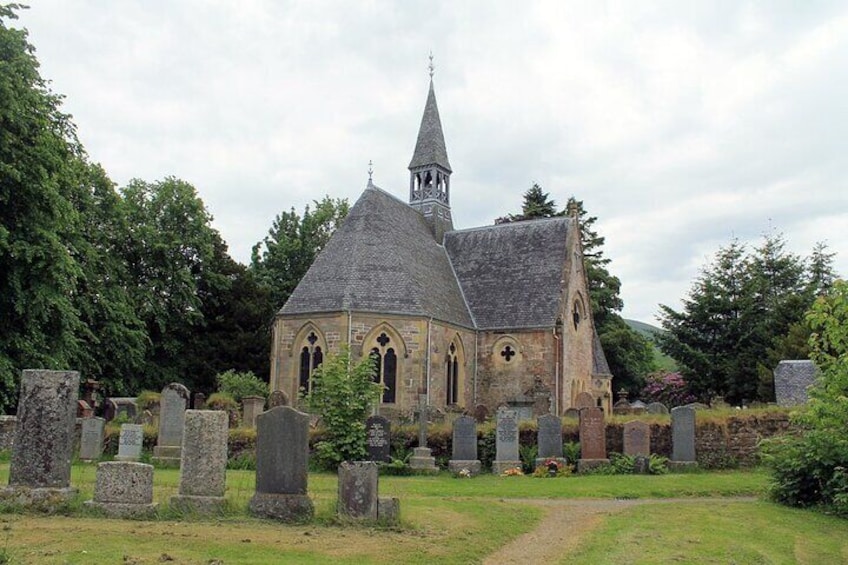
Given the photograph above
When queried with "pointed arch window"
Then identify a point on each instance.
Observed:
(385, 362)
(311, 357)
(452, 372)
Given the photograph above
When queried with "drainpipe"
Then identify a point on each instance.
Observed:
(476, 362)
(429, 322)
(349, 336)
(556, 370)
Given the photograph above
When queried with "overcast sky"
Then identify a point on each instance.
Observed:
(681, 125)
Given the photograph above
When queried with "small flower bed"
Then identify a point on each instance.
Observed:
(514, 472)
(552, 468)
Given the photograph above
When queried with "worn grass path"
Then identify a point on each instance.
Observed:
(568, 522)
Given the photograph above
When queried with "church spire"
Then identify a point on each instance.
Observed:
(430, 170)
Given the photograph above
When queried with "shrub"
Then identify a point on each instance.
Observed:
(239, 385)
(225, 402)
(669, 388)
(342, 394)
(146, 399)
(809, 469)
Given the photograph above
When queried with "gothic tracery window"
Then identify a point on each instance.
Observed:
(311, 357)
(385, 361)
(452, 372)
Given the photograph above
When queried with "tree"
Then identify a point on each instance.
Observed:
(282, 258)
(742, 311)
(811, 468)
(342, 394)
(38, 272)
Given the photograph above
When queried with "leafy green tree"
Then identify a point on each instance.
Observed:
(811, 468)
(238, 385)
(38, 271)
(282, 258)
(343, 394)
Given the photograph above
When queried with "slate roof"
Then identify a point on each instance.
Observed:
(383, 258)
(511, 274)
(599, 360)
(430, 147)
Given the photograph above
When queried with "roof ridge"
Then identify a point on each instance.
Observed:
(521, 223)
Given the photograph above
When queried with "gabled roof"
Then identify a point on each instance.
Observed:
(599, 360)
(382, 258)
(511, 274)
(430, 148)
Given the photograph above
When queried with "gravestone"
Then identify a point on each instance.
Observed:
(621, 408)
(506, 442)
(656, 408)
(252, 406)
(124, 489)
(358, 494)
(464, 450)
(593, 441)
(637, 438)
(130, 442)
(422, 459)
(40, 469)
(481, 413)
(84, 410)
(173, 403)
(203, 472)
(8, 425)
(584, 400)
(121, 406)
(198, 401)
(682, 436)
(278, 398)
(282, 454)
(549, 439)
(378, 439)
(91, 439)
(572, 413)
(791, 380)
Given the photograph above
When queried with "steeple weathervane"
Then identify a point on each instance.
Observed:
(370, 172)
(431, 66)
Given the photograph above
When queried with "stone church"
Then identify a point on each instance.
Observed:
(474, 318)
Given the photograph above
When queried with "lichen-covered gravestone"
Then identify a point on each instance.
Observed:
(173, 404)
(656, 408)
(203, 473)
(464, 451)
(506, 442)
(585, 400)
(637, 438)
(252, 406)
(549, 439)
(124, 489)
(91, 439)
(682, 436)
(40, 470)
(378, 439)
(358, 494)
(130, 442)
(282, 452)
(593, 440)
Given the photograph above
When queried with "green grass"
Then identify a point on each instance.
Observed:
(716, 532)
(444, 520)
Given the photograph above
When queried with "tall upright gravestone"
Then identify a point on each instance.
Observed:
(506, 442)
(173, 404)
(593, 440)
(378, 439)
(203, 473)
(464, 451)
(282, 453)
(40, 470)
(682, 437)
(549, 439)
(91, 440)
(637, 438)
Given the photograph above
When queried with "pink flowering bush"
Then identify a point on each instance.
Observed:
(669, 388)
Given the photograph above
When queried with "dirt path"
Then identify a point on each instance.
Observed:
(566, 524)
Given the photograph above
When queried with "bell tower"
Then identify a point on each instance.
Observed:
(430, 171)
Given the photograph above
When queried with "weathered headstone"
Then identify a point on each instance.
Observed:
(124, 489)
(506, 442)
(584, 400)
(91, 439)
(358, 494)
(464, 451)
(252, 406)
(593, 441)
(422, 459)
(203, 472)
(84, 410)
(637, 438)
(378, 438)
(656, 408)
(40, 470)
(572, 413)
(198, 401)
(621, 408)
(282, 453)
(791, 380)
(682, 436)
(121, 407)
(278, 398)
(130, 442)
(173, 404)
(549, 439)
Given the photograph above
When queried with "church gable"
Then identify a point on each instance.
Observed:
(512, 274)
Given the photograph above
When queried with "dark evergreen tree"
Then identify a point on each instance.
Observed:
(537, 204)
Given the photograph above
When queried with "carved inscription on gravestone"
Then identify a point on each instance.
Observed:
(507, 436)
(464, 439)
(130, 442)
(378, 440)
(592, 434)
(549, 436)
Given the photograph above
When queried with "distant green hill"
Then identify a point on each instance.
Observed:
(664, 362)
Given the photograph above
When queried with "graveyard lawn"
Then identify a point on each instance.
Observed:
(450, 520)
